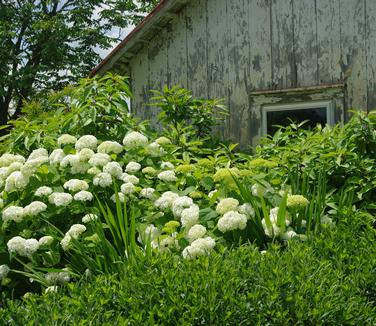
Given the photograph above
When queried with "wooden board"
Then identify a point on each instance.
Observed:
(328, 41)
(283, 59)
(305, 42)
(140, 86)
(196, 15)
(371, 53)
(218, 66)
(239, 65)
(353, 59)
(177, 51)
(157, 57)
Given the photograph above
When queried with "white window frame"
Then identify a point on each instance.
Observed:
(298, 106)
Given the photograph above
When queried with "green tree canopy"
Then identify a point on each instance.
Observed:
(45, 44)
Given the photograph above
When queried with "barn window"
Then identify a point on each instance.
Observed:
(324, 104)
(278, 115)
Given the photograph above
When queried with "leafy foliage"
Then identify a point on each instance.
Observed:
(179, 107)
(97, 105)
(47, 44)
(327, 280)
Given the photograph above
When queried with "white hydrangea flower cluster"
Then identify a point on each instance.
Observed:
(227, 204)
(23, 247)
(85, 154)
(34, 208)
(167, 176)
(190, 216)
(181, 203)
(114, 169)
(133, 167)
(66, 139)
(274, 230)
(247, 210)
(37, 153)
(121, 197)
(4, 270)
(167, 166)
(103, 180)
(56, 156)
(87, 141)
(234, 216)
(89, 218)
(125, 177)
(108, 147)
(231, 221)
(83, 196)
(99, 159)
(46, 241)
(297, 201)
(43, 191)
(7, 159)
(17, 180)
(13, 213)
(166, 200)
(195, 232)
(134, 140)
(163, 141)
(147, 193)
(60, 199)
(74, 185)
(199, 247)
(74, 232)
(127, 188)
(289, 234)
(73, 161)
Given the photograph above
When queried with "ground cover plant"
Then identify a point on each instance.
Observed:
(96, 192)
(330, 279)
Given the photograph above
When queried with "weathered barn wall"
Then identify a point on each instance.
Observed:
(228, 49)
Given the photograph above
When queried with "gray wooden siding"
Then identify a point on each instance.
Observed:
(227, 49)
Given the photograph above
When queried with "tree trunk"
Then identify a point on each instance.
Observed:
(4, 107)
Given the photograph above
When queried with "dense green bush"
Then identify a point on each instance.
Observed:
(95, 106)
(327, 280)
(346, 155)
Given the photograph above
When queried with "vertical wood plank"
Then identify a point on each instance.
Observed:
(157, 57)
(177, 51)
(283, 60)
(260, 54)
(197, 48)
(353, 49)
(371, 53)
(329, 41)
(260, 44)
(305, 42)
(140, 85)
(238, 59)
(217, 40)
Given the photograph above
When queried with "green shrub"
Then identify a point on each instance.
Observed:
(95, 106)
(345, 154)
(325, 281)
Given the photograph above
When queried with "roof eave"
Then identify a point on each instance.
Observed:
(160, 16)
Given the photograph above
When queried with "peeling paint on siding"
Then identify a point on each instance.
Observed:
(227, 49)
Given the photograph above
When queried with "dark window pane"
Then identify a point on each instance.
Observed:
(284, 118)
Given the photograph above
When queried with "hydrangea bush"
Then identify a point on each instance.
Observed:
(51, 202)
